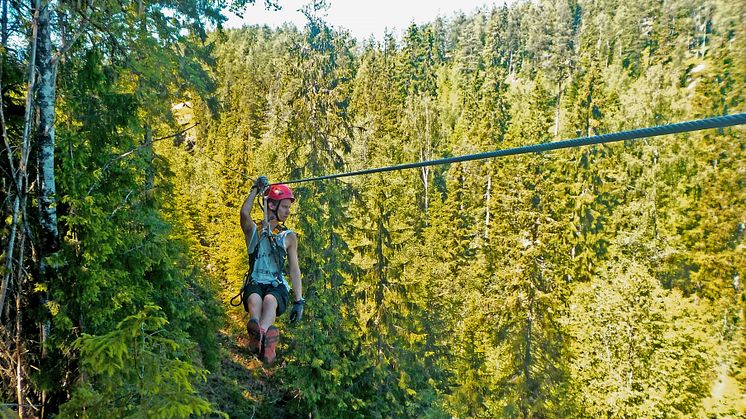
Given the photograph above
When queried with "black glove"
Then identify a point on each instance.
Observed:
(261, 183)
(297, 311)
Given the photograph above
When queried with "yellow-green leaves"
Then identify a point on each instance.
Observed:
(140, 369)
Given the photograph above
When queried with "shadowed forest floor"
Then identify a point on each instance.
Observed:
(244, 387)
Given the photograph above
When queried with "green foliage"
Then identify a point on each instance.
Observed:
(603, 281)
(637, 350)
(137, 370)
(115, 87)
(465, 290)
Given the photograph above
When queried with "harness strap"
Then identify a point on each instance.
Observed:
(242, 297)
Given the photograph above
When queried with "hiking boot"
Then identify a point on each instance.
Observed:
(271, 338)
(255, 336)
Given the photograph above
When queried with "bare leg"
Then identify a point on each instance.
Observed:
(252, 327)
(269, 311)
(255, 306)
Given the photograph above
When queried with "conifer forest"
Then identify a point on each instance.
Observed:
(598, 281)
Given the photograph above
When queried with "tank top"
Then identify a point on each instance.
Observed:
(266, 270)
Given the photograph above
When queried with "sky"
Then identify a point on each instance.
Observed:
(362, 18)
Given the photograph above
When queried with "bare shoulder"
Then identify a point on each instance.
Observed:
(291, 239)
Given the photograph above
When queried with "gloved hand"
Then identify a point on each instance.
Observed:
(261, 184)
(297, 311)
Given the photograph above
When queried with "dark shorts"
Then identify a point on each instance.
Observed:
(280, 293)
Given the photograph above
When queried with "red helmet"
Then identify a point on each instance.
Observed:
(279, 192)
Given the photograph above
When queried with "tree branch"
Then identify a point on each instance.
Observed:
(243, 175)
(22, 168)
(85, 20)
(102, 29)
(140, 147)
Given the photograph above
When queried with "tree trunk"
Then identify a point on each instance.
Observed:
(425, 171)
(4, 47)
(45, 99)
(150, 174)
(557, 111)
(19, 338)
(20, 280)
(426, 152)
(4, 28)
(380, 273)
(510, 64)
(19, 355)
(487, 197)
(9, 254)
(4, 133)
(45, 136)
(527, 359)
(589, 108)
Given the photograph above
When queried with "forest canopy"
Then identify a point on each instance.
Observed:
(584, 282)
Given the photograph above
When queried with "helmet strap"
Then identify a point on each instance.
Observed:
(274, 211)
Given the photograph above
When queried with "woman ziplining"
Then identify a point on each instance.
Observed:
(265, 291)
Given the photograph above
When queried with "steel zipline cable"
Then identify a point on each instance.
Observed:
(676, 128)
